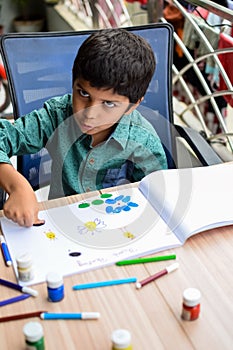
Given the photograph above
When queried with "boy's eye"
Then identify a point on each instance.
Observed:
(83, 93)
(109, 104)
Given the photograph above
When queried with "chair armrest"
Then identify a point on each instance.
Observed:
(202, 149)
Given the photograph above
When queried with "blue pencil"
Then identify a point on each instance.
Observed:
(22, 289)
(70, 316)
(104, 283)
(5, 251)
(14, 299)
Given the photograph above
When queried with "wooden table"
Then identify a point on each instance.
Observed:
(151, 314)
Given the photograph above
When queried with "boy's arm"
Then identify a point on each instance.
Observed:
(21, 205)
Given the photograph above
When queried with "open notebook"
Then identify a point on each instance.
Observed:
(168, 207)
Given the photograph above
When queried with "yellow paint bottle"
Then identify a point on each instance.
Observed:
(25, 267)
(121, 340)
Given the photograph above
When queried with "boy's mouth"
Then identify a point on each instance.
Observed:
(85, 127)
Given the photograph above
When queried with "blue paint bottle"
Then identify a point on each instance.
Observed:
(55, 286)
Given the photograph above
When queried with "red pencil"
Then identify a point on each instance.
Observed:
(159, 274)
(21, 316)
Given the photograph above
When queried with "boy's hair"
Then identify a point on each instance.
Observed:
(116, 59)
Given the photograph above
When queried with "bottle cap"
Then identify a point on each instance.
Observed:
(191, 296)
(121, 338)
(54, 279)
(24, 260)
(33, 331)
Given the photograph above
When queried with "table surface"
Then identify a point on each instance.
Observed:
(152, 314)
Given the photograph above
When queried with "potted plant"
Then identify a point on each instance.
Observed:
(27, 20)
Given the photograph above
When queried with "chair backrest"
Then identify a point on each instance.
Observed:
(39, 66)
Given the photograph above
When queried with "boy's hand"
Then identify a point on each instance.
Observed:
(22, 207)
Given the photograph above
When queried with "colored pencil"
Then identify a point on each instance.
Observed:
(70, 316)
(104, 283)
(14, 299)
(159, 274)
(21, 316)
(15, 286)
(146, 260)
(44, 315)
(5, 251)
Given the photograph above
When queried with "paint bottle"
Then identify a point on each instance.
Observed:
(121, 340)
(191, 304)
(25, 267)
(55, 286)
(34, 336)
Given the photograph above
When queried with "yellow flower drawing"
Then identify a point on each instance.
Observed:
(92, 227)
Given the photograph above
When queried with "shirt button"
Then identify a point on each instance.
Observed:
(91, 161)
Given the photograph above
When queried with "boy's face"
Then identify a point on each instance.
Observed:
(97, 110)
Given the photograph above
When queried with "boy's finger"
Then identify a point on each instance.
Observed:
(38, 222)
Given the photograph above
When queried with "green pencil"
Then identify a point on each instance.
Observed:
(145, 260)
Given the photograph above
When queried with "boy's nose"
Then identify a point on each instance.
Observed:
(92, 110)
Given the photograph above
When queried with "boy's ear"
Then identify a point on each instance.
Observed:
(135, 105)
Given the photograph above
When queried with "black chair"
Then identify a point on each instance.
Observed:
(38, 67)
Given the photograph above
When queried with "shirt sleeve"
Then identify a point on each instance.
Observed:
(30, 133)
(24, 136)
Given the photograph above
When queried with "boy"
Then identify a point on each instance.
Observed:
(95, 136)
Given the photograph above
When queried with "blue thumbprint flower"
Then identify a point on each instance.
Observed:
(118, 204)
